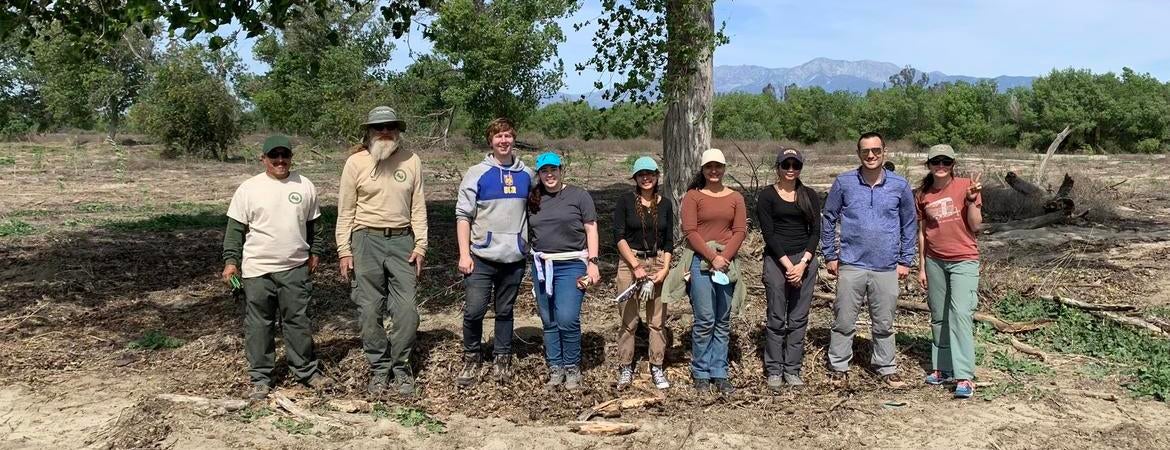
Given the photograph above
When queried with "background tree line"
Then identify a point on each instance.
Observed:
(1107, 112)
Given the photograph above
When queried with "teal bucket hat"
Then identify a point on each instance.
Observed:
(547, 159)
(643, 163)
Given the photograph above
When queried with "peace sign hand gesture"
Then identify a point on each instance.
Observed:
(975, 188)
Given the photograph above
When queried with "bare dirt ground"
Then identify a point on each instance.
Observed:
(100, 246)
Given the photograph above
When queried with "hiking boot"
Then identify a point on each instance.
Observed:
(502, 369)
(259, 392)
(405, 385)
(378, 383)
(625, 376)
(556, 377)
(573, 378)
(839, 380)
(794, 380)
(470, 372)
(937, 377)
(318, 382)
(723, 386)
(965, 389)
(893, 381)
(775, 382)
(658, 376)
(702, 385)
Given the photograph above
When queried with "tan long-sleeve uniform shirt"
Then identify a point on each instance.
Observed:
(386, 194)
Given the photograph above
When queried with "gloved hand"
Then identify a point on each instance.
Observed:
(647, 292)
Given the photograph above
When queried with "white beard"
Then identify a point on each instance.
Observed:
(381, 149)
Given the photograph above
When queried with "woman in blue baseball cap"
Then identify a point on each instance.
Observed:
(643, 226)
(564, 255)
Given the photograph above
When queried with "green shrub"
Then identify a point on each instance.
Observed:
(155, 340)
(1148, 145)
(13, 227)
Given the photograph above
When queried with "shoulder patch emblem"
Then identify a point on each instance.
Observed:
(295, 198)
(399, 175)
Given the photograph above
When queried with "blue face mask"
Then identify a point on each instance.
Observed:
(720, 278)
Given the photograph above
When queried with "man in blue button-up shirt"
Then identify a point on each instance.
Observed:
(879, 236)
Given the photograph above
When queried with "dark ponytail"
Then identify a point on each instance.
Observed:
(534, 198)
(806, 200)
(698, 181)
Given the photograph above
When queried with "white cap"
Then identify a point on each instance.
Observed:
(713, 155)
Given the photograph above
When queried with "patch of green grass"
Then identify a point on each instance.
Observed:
(95, 207)
(999, 390)
(409, 417)
(13, 227)
(1017, 308)
(155, 340)
(293, 426)
(32, 213)
(1161, 312)
(7, 161)
(170, 222)
(1144, 357)
(1015, 367)
(250, 414)
(1096, 371)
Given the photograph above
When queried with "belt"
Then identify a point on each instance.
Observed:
(646, 253)
(388, 232)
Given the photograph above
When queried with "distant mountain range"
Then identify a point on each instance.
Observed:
(829, 74)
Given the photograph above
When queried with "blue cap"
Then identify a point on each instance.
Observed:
(547, 159)
(644, 163)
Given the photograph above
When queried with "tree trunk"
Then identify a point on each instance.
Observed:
(686, 129)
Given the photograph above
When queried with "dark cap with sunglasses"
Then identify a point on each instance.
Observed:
(277, 145)
(383, 117)
(789, 153)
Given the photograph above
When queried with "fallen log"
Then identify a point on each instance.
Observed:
(602, 428)
(1028, 349)
(1026, 224)
(1086, 306)
(350, 406)
(613, 408)
(1131, 321)
(1000, 325)
(1052, 150)
(283, 402)
(1022, 186)
(226, 404)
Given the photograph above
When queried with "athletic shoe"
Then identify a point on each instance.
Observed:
(658, 375)
(965, 389)
(893, 381)
(378, 383)
(470, 372)
(702, 385)
(937, 377)
(573, 378)
(793, 379)
(502, 369)
(723, 386)
(625, 376)
(556, 377)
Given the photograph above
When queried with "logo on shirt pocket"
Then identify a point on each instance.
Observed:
(295, 198)
(399, 175)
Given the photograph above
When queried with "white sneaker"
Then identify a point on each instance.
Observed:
(659, 377)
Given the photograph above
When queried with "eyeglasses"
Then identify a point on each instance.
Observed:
(384, 126)
(790, 164)
(945, 162)
(877, 151)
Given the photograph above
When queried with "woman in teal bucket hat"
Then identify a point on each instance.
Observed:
(643, 226)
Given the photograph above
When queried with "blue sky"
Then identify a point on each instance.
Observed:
(959, 37)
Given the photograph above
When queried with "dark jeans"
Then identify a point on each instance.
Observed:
(490, 283)
(286, 293)
(561, 313)
(787, 316)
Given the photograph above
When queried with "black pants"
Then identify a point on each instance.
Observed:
(787, 316)
(490, 283)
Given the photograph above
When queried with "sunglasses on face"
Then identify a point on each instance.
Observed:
(280, 155)
(383, 126)
(945, 162)
(877, 151)
(789, 164)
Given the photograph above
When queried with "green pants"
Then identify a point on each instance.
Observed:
(384, 284)
(289, 293)
(953, 295)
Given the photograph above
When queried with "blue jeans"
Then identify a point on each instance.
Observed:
(561, 313)
(710, 334)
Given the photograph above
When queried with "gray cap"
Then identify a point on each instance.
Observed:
(384, 114)
(940, 150)
(789, 153)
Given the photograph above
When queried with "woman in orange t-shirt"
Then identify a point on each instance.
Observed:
(949, 216)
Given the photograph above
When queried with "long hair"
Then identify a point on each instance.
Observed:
(648, 215)
(698, 181)
(807, 200)
(534, 197)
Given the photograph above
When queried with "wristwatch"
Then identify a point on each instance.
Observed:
(806, 260)
(593, 259)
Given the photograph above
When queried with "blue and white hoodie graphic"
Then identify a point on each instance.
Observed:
(494, 199)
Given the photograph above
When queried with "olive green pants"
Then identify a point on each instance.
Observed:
(384, 283)
(288, 293)
(952, 289)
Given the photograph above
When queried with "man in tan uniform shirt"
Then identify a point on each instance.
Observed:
(381, 242)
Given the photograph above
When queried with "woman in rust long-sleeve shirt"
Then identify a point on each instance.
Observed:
(712, 212)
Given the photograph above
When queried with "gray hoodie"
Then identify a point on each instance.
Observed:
(494, 199)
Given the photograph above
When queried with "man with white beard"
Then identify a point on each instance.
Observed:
(381, 240)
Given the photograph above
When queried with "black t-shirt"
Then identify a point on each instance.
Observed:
(635, 223)
(559, 225)
(785, 228)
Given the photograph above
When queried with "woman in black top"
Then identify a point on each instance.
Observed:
(789, 217)
(643, 225)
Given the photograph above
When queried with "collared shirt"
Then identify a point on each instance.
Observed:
(879, 227)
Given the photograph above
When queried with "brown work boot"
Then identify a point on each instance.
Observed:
(839, 380)
(893, 381)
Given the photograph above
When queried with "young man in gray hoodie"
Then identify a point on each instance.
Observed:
(491, 223)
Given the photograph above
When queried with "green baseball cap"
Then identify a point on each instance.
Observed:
(643, 163)
(940, 150)
(384, 114)
(276, 141)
